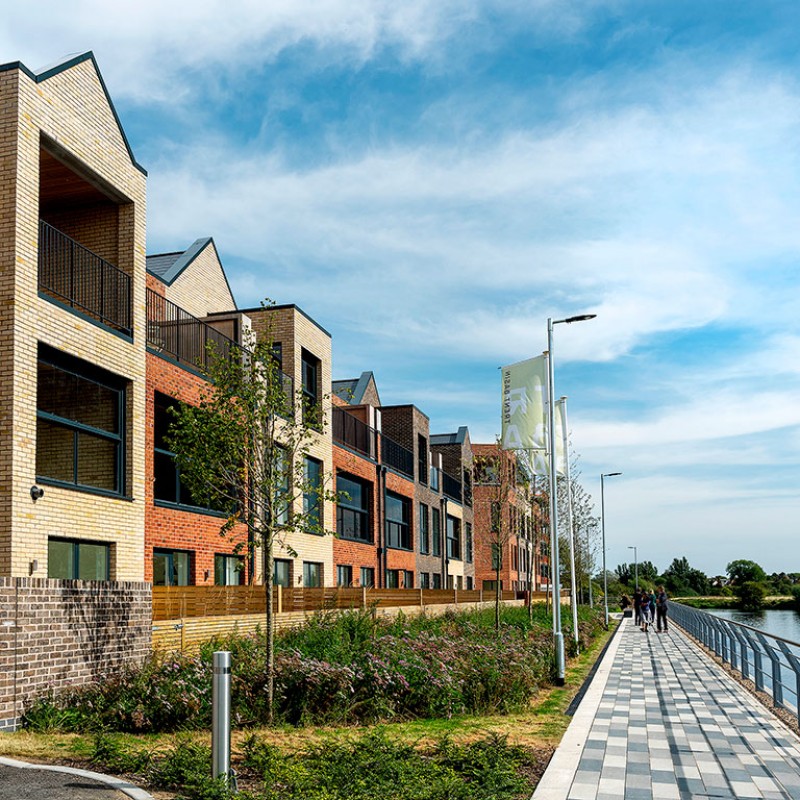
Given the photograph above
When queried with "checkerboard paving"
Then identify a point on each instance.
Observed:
(672, 725)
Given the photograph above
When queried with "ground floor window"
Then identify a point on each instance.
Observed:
(368, 577)
(424, 580)
(71, 559)
(392, 578)
(437, 581)
(312, 574)
(171, 567)
(344, 575)
(470, 584)
(282, 572)
(408, 579)
(228, 570)
(491, 586)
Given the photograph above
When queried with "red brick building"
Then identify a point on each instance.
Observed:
(509, 528)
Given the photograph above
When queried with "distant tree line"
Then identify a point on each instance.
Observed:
(745, 580)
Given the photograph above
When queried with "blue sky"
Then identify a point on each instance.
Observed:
(432, 180)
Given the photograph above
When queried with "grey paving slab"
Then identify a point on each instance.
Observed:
(662, 720)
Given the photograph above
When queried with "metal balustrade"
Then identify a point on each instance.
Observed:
(396, 456)
(353, 433)
(451, 487)
(772, 663)
(75, 276)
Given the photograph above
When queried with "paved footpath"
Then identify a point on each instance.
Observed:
(662, 721)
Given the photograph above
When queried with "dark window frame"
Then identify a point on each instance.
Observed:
(436, 531)
(453, 541)
(76, 544)
(161, 404)
(226, 557)
(310, 377)
(346, 509)
(424, 529)
(312, 500)
(398, 531)
(170, 570)
(90, 373)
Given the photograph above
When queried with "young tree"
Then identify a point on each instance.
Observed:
(505, 490)
(243, 447)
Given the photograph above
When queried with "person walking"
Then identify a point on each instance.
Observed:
(644, 611)
(661, 609)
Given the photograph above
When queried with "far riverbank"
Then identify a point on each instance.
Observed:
(776, 602)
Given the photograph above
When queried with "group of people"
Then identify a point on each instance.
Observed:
(647, 607)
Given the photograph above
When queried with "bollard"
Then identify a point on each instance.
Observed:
(221, 716)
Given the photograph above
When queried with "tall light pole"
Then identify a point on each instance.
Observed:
(635, 562)
(603, 523)
(558, 636)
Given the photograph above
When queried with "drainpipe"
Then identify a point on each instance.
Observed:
(445, 557)
(382, 554)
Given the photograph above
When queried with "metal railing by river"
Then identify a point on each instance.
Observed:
(771, 662)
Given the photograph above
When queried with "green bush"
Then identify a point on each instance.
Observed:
(751, 595)
(337, 668)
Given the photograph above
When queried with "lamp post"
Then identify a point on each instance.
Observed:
(558, 636)
(635, 562)
(603, 524)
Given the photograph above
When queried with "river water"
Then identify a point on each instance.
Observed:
(785, 624)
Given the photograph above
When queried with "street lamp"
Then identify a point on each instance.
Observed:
(603, 524)
(558, 637)
(635, 563)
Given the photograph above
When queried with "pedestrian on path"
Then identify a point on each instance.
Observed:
(644, 611)
(637, 606)
(661, 609)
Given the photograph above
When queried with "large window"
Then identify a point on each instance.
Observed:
(408, 579)
(424, 580)
(468, 554)
(436, 531)
(75, 560)
(282, 573)
(392, 578)
(312, 574)
(453, 538)
(424, 530)
(368, 577)
(312, 505)
(422, 458)
(228, 570)
(437, 580)
(283, 470)
(80, 424)
(310, 374)
(171, 568)
(352, 509)
(168, 486)
(398, 529)
(344, 575)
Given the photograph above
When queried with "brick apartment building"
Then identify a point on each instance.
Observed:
(501, 502)
(421, 536)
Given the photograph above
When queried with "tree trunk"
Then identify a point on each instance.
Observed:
(270, 632)
(497, 593)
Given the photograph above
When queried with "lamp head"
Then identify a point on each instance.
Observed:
(580, 318)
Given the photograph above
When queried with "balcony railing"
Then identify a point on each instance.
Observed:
(353, 433)
(75, 276)
(188, 340)
(397, 457)
(451, 487)
(183, 337)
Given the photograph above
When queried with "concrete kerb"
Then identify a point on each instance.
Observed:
(557, 779)
(129, 789)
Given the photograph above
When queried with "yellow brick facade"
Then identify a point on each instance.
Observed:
(69, 116)
(295, 331)
(201, 288)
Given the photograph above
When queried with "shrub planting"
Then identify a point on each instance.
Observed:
(338, 668)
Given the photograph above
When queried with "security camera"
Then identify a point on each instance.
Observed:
(37, 492)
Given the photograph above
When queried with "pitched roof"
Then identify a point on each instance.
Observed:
(451, 438)
(168, 266)
(353, 389)
(64, 64)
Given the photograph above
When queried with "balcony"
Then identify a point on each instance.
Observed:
(396, 456)
(78, 278)
(177, 334)
(451, 487)
(353, 433)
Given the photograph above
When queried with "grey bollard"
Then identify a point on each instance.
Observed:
(221, 716)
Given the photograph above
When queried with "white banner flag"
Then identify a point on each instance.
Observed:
(524, 386)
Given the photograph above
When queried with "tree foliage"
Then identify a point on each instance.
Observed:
(741, 571)
(244, 446)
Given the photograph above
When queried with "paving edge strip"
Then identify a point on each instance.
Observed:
(115, 783)
(557, 779)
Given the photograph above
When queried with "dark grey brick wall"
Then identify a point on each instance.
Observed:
(56, 634)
